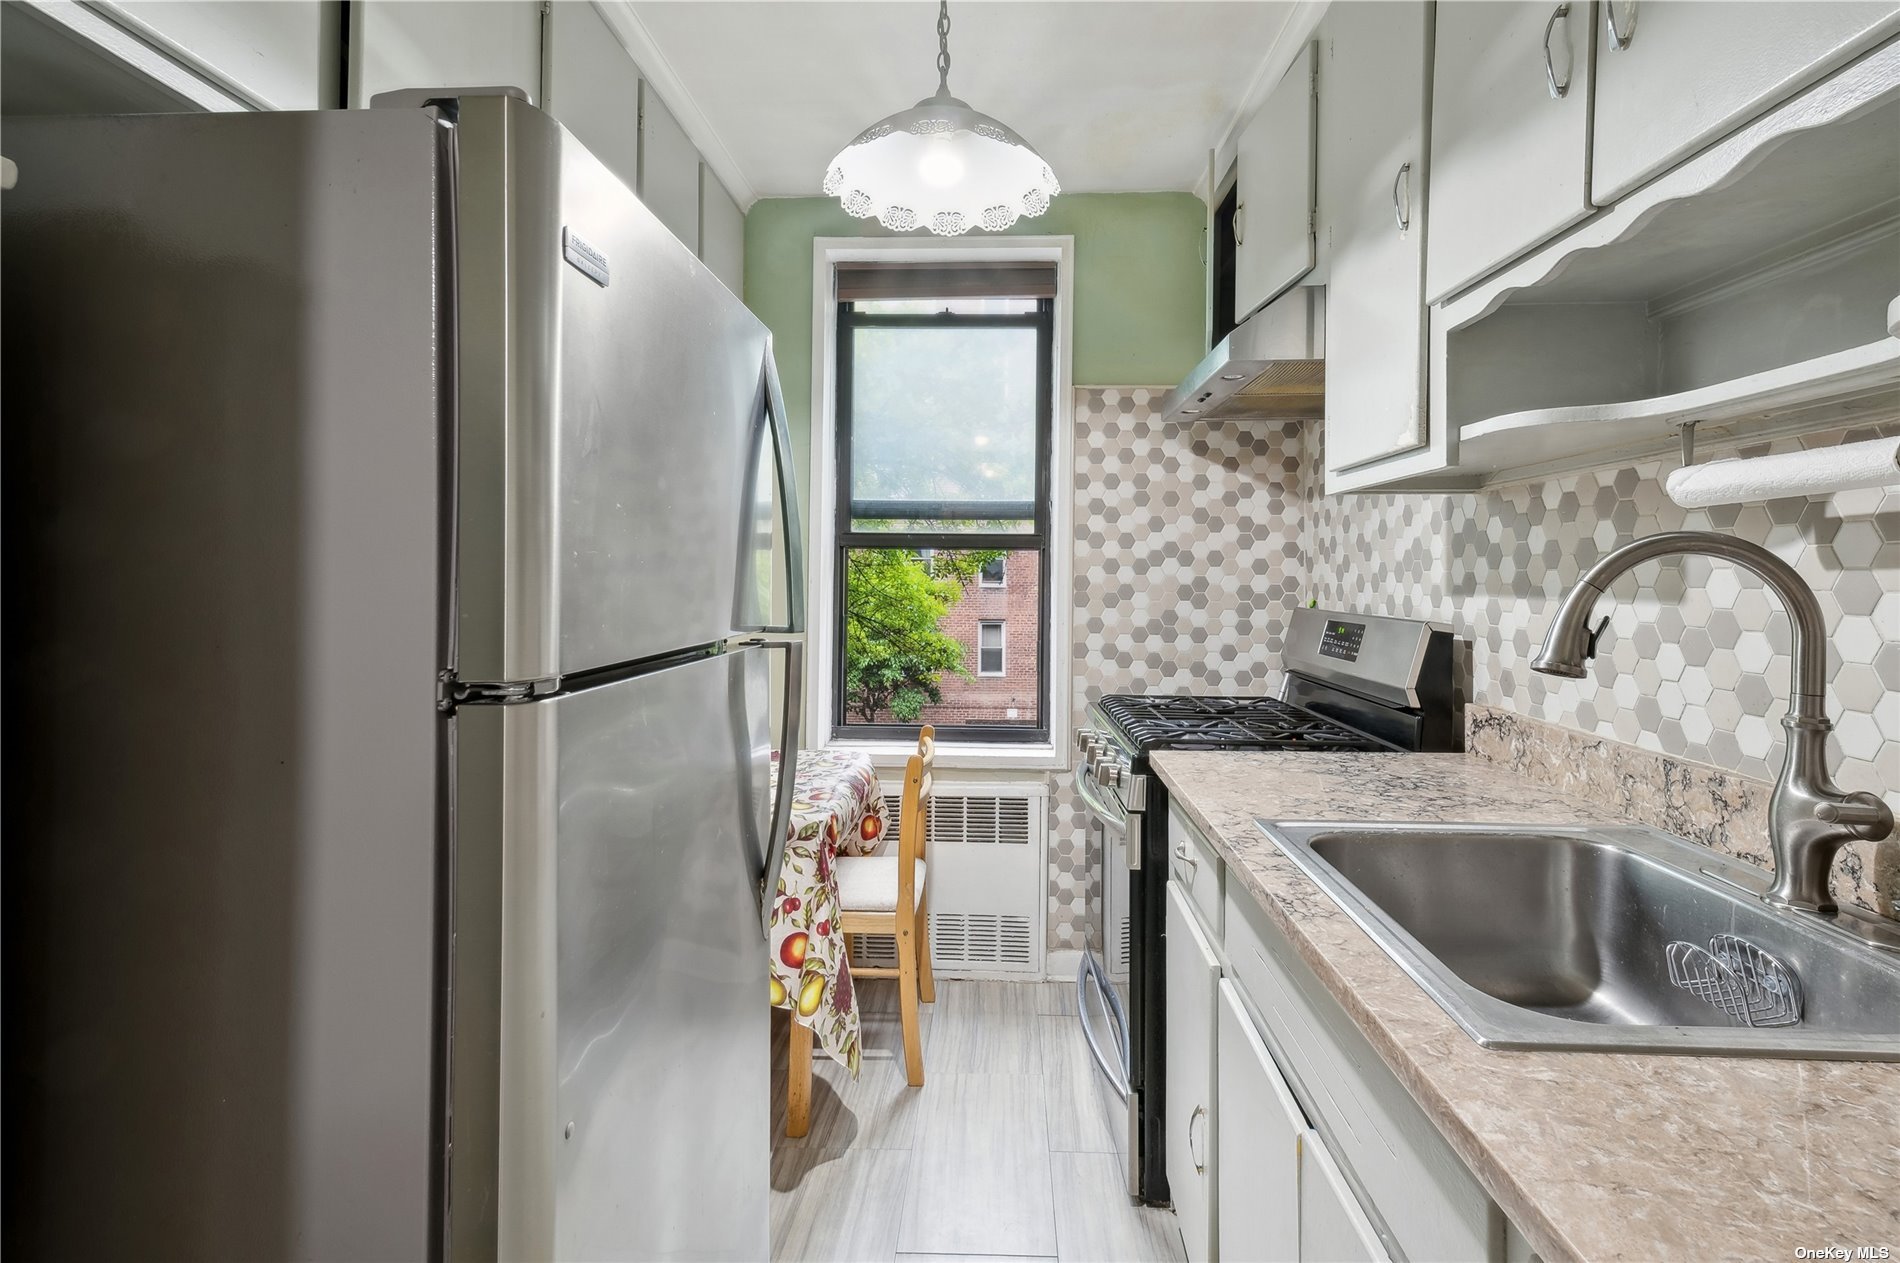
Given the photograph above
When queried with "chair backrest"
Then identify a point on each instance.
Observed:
(913, 823)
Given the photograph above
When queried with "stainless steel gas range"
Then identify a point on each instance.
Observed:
(1351, 682)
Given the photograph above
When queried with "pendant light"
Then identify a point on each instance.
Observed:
(941, 165)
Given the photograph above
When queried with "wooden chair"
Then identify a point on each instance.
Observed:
(890, 894)
(883, 894)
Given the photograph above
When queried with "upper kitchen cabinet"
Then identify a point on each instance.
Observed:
(1374, 93)
(669, 169)
(444, 44)
(1744, 290)
(280, 56)
(1274, 190)
(154, 58)
(593, 88)
(1675, 74)
(721, 231)
(1511, 87)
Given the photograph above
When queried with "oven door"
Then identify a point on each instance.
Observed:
(1113, 834)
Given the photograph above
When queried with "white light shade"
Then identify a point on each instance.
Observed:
(941, 165)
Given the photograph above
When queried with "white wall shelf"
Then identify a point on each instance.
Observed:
(1833, 389)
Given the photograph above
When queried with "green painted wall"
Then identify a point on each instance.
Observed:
(1140, 288)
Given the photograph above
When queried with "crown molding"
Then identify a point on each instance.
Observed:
(658, 71)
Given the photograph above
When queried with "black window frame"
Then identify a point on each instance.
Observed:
(1036, 540)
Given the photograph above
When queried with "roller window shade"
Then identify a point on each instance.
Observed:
(865, 282)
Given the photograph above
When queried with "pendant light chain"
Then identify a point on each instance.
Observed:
(943, 47)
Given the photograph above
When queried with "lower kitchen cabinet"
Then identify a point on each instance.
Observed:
(1333, 1228)
(1323, 1153)
(1257, 1163)
(1193, 983)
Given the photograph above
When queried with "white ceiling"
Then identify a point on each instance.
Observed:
(1117, 95)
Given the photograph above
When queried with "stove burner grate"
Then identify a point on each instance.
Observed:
(1214, 723)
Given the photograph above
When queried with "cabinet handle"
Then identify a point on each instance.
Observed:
(1198, 1152)
(1620, 36)
(1181, 853)
(1403, 207)
(1558, 90)
(1240, 221)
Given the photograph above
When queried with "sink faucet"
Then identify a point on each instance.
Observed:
(1809, 817)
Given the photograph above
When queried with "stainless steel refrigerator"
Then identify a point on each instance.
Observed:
(399, 542)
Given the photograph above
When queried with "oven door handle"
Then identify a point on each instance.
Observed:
(1090, 977)
(1111, 813)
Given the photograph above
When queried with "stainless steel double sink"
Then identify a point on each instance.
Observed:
(1535, 937)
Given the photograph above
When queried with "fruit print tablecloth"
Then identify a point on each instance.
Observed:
(837, 808)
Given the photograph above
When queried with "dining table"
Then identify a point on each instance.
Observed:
(837, 809)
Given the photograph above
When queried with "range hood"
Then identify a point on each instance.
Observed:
(1272, 367)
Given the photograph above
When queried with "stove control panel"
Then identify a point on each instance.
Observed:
(1342, 640)
(1104, 762)
(1369, 654)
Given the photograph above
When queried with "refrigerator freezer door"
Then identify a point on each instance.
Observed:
(633, 1064)
(612, 392)
(221, 459)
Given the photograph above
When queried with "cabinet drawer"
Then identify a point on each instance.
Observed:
(1195, 866)
(1417, 1193)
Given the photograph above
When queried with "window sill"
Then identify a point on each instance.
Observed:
(985, 756)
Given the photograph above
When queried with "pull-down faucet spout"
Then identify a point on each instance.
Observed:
(1809, 817)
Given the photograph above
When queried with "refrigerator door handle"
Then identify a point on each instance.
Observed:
(788, 497)
(787, 774)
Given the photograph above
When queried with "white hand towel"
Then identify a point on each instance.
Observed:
(1875, 463)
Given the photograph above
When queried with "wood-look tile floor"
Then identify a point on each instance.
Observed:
(1010, 1150)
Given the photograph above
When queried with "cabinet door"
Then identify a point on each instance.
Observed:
(1257, 1172)
(1693, 70)
(593, 88)
(1193, 977)
(1372, 181)
(444, 44)
(669, 168)
(1333, 1229)
(1273, 179)
(721, 231)
(1510, 116)
(283, 54)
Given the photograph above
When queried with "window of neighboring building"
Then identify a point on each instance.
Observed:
(944, 413)
(989, 649)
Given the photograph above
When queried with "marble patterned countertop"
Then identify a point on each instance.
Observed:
(1594, 1156)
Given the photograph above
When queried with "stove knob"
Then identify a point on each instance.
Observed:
(1111, 774)
(1082, 736)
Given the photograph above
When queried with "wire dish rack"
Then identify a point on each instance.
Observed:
(1748, 985)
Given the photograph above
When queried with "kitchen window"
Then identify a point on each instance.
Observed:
(944, 403)
(989, 649)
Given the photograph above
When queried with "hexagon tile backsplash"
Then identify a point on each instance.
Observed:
(1192, 541)
(1188, 552)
